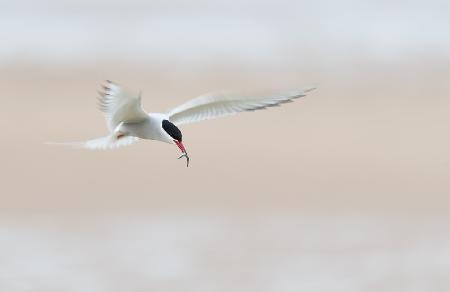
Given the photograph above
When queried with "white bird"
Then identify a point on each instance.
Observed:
(128, 122)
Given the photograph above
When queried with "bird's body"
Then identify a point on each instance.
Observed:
(128, 122)
(150, 128)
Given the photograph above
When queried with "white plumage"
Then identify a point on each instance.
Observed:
(128, 122)
(120, 104)
(211, 106)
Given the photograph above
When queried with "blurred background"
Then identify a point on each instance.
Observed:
(346, 189)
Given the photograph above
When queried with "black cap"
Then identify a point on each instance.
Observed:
(172, 130)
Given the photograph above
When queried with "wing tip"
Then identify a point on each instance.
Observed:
(309, 89)
(77, 145)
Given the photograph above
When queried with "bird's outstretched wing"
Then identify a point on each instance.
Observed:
(103, 143)
(120, 104)
(219, 105)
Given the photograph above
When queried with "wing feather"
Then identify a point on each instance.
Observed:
(219, 105)
(120, 104)
(103, 143)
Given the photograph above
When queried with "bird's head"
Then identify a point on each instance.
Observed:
(176, 137)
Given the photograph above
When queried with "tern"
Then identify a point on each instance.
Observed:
(128, 122)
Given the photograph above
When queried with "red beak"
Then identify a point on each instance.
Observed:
(180, 145)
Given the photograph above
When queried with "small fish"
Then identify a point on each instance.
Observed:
(187, 158)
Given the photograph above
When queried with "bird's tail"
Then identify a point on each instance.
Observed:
(109, 142)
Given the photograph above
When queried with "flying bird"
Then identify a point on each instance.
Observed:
(128, 122)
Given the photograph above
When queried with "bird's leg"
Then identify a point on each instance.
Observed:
(118, 131)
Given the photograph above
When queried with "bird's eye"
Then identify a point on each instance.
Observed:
(172, 130)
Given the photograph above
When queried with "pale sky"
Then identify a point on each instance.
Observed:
(252, 31)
